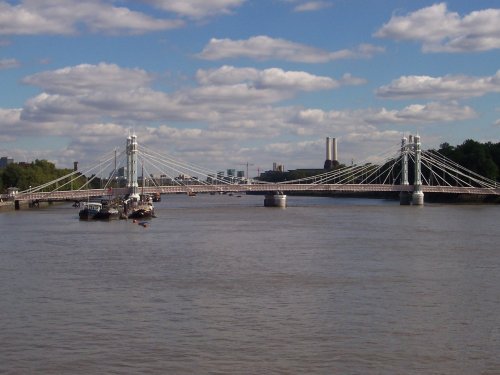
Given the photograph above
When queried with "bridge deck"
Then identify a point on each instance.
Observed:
(243, 188)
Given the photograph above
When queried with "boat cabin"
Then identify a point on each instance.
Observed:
(92, 206)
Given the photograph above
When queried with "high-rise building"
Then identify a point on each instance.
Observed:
(5, 161)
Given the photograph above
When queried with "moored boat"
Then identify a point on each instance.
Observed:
(108, 213)
(142, 209)
(98, 211)
(89, 210)
(141, 212)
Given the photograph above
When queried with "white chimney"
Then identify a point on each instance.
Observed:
(334, 149)
(328, 148)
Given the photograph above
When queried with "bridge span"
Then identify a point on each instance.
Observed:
(408, 170)
(251, 188)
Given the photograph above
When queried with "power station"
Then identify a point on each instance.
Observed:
(331, 153)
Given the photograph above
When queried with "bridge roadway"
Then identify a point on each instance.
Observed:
(70, 195)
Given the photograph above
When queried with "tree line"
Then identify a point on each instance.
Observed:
(482, 158)
(26, 175)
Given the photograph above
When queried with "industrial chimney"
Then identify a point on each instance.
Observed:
(331, 153)
(328, 161)
(334, 150)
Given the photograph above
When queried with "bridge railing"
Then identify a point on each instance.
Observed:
(244, 188)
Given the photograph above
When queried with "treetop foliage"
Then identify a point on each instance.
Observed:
(24, 175)
(482, 158)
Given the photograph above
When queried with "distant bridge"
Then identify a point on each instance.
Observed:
(431, 172)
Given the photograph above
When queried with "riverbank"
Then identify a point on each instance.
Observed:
(10, 205)
(6, 206)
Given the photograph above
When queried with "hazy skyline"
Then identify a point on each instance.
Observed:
(225, 82)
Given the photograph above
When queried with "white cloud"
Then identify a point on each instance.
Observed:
(433, 112)
(226, 75)
(273, 78)
(91, 91)
(63, 17)
(197, 8)
(87, 93)
(9, 64)
(228, 111)
(440, 30)
(266, 48)
(349, 79)
(88, 78)
(447, 87)
(356, 119)
(10, 117)
(310, 6)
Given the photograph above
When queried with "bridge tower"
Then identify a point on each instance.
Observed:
(404, 195)
(132, 185)
(417, 197)
(418, 194)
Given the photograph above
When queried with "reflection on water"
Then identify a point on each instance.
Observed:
(220, 284)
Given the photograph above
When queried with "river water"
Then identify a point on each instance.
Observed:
(222, 285)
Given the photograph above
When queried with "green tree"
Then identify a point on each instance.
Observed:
(11, 176)
(482, 158)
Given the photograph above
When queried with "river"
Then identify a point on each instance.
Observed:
(222, 285)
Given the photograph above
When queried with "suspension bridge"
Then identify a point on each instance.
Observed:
(405, 168)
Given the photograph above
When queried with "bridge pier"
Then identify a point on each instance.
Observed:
(405, 198)
(418, 198)
(275, 199)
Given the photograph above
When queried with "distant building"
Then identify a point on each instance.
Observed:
(278, 167)
(5, 161)
(220, 177)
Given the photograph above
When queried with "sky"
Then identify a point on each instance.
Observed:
(222, 83)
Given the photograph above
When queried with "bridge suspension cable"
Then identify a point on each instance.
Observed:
(454, 171)
(438, 174)
(167, 164)
(364, 172)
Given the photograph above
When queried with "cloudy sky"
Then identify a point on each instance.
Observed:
(224, 82)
